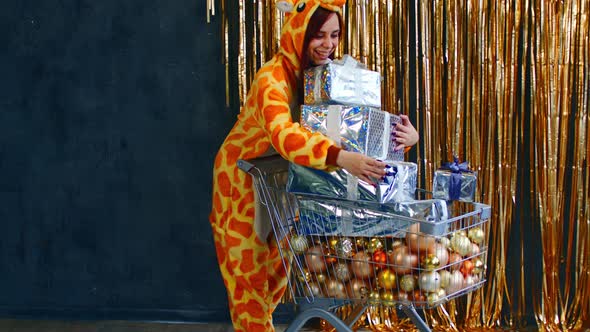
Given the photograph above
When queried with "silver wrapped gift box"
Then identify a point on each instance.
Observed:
(398, 185)
(353, 218)
(342, 82)
(454, 186)
(361, 129)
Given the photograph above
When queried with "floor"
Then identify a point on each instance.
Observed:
(13, 325)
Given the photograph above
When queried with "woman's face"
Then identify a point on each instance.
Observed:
(324, 43)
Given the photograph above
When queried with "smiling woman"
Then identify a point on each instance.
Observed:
(321, 38)
(248, 258)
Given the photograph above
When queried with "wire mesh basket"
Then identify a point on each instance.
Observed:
(364, 253)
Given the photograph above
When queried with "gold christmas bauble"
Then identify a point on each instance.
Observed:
(407, 283)
(332, 243)
(387, 279)
(374, 244)
(304, 276)
(461, 244)
(320, 278)
(342, 272)
(445, 241)
(430, 262)
(476, 234)
(396, 243)
(374, 297)
(478, 266)
(432, 298)
(361, 242)
(387, 298)
(299, 244)
(445, 278)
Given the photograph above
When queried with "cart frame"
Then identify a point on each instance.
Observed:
(270, 173)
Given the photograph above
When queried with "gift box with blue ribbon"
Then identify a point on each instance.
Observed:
(454, 181)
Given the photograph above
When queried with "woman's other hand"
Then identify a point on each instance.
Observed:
(361, 166)
(404, 133)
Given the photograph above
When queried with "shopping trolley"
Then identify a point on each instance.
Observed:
(340, 252)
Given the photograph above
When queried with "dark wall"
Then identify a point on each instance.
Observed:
(110, 115)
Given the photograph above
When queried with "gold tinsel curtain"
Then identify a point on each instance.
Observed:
(503, 84)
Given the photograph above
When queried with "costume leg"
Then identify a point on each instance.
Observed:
(277, 275)
(244, 264)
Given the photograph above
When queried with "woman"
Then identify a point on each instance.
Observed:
(250, 264)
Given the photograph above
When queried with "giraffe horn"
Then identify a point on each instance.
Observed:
(285, 6)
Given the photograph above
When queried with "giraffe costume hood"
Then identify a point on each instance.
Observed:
(251, 266)
(297, 16)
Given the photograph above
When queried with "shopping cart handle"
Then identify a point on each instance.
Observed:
(245, 166)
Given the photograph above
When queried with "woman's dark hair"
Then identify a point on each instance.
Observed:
(316, 22)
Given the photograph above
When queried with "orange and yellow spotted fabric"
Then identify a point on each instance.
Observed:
(251, 268)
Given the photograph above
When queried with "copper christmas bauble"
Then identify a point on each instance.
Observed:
(455, 261)
(402, 260)
(467, 267)
(441, 252)
(416, 241)
(357, 288)
(314, 259)
(361, 265)
(335, 288)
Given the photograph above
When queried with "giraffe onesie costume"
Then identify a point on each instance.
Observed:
(251, 267)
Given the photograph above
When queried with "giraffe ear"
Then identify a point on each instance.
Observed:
(285, 6)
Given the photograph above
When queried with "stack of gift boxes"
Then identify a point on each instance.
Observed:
(343, 101)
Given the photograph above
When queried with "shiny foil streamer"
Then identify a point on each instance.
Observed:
(506, 85)
(360, 129)
(399, 185)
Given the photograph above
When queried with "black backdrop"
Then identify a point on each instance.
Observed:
(110, 115)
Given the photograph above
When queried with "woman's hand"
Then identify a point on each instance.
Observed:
(361, 166)
(404, 133)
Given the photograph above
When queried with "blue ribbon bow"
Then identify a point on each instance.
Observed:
(456, 169)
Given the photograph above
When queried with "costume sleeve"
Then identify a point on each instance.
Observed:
(292, 141)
